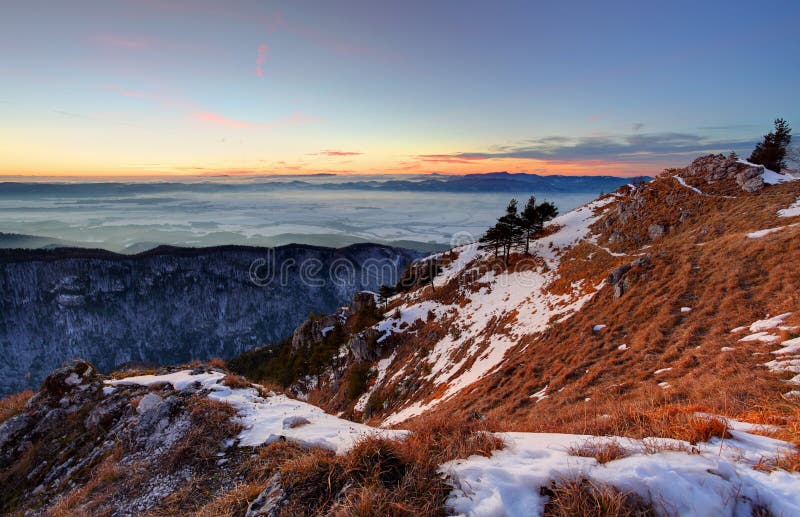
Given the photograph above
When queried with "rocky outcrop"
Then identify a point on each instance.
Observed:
(622, 278)
(313, 331)
(76, 422)
(170, 305)
(717, 167)
(270, 501)
(364, 346)
(362, 301)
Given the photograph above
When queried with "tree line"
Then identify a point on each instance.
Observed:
(515, 229)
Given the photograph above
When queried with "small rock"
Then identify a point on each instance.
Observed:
(148, 402)
(656, 231)
(270, 501)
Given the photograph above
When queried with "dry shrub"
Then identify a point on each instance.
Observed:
(672, 421)
(68, 505)
(702, 429)
(218, 362)
(655, 446)
(211, 423)
(384, 477)
(13, 404)
(264, 461)
(134, 372)
(235, 382)
(230, 503)
(584, 498)
(311, 481)
(603, 450)
(89, 498)
(788, 460)
(441, 438)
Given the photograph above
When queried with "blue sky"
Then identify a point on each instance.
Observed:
(135, 87)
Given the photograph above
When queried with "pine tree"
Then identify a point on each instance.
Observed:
(533, 217)
(510, 230)
(492, 239)
(771, 153)
(385, 292)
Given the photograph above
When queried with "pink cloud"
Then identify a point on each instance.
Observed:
(261, 58)
(219, 120)
(330, 152)
(295, 119)
(447, 158)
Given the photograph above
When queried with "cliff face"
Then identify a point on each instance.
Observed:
(169, 305)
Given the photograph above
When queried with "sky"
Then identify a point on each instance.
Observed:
(194, 87)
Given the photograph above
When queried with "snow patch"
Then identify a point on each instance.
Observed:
(792, 210)
(763, 337)
(264, 419)
(719, 480)
(762, 233)
(541, 394)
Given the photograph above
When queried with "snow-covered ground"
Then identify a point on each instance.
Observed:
(792, 210)
(683, 182)
(521, 292)
(718, 479)
(269, 419)
(761, 233)
(787, 356)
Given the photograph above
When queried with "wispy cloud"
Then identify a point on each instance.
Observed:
(210, 117)
(450, 158)
(219, 120)
(637, 147)
(331, 152)
(261, 58)
(97, 118)
(215, 119)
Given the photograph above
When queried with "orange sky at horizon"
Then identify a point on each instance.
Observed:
(325, 162)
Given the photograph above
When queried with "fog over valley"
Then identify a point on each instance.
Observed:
(423, 214)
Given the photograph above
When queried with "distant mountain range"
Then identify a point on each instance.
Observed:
(489, 182)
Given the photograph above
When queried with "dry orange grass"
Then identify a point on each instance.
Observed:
(728, 281)
(121, 374)
(788, 460)
(89, 498)
(601, 449)
(584, 498)
(13, 404)
(236, 382)
(384, 477)
(211, 424)
(218, 362)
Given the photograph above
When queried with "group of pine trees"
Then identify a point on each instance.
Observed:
(772, 152)
(515, 229)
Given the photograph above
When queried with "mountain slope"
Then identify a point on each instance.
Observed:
(630, 298)
(644, 361)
